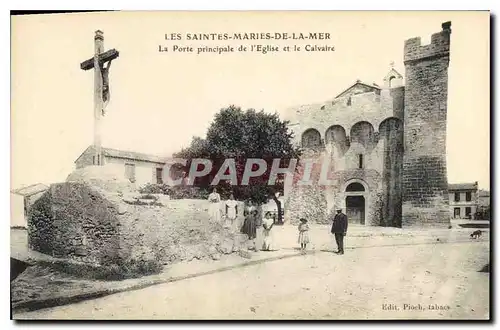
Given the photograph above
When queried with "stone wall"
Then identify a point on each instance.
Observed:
(381, 173)
(399, 132)
(353, 129)
(72, 220)
(317, 202)
(391, 138)
(85, 223)
(104, 177)
(371, 107)
(425, 188)
(87, 158)
(372, 181)
(307, 202)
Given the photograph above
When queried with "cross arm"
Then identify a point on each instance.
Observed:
(103, 57)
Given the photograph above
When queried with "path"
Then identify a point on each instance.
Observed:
(316, 286)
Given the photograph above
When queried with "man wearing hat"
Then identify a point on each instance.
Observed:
(339, 229)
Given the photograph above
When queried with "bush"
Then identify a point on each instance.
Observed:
(40, 225)
(188, 192)
(152, 188)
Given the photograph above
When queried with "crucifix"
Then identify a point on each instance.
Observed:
(101, 87)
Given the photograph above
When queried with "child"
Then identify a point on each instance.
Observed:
(303, 234)
(268, 235)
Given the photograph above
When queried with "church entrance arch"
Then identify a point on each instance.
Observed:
(356, 201)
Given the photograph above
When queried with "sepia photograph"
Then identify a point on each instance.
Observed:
(250, 165)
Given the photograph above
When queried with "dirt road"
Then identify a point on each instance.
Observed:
(437, 281)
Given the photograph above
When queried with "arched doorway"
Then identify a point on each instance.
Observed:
(355, 203)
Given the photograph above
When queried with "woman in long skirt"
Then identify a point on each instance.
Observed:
(214, 207)
(231, 212)
(249, 227)
(247, 213)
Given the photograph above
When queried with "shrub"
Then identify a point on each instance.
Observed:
(188, 192)
(152, 188)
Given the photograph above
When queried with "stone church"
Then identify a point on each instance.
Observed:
(386, 144)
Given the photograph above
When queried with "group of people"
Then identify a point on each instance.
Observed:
(259, 230)
(215, 211)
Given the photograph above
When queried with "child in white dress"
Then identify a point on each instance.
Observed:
(303, 234)
(268, 224)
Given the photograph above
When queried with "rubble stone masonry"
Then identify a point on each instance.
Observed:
(425, 191)
(390, 138)
(82, 222)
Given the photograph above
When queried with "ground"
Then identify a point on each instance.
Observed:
(394, 267)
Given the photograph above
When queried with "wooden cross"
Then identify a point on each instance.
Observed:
(101, 87)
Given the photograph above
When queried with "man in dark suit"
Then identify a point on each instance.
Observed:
(339, 229)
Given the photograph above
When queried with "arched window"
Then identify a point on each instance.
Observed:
(391, 81)
(363, 133)
(311, 138)
(355, 186)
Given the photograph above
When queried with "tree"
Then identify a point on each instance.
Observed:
(241, 135)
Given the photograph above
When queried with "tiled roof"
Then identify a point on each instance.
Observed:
(115, 153)
(462, 186)
(30, 190)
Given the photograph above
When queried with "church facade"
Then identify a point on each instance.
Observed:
(386, 143)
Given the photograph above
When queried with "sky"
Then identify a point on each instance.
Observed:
(160, 100)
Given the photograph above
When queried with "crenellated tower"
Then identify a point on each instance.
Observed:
(425, 184)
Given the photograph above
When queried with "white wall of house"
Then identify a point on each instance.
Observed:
(144, 172)
(17, 217)
(461, 208)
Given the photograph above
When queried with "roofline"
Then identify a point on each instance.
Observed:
(84, 151)
(16, 191)
(356, 83)
(134, 158)
(397, 72)
(470, 186)
(139, 159)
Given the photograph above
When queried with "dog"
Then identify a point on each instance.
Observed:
(476, 234)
